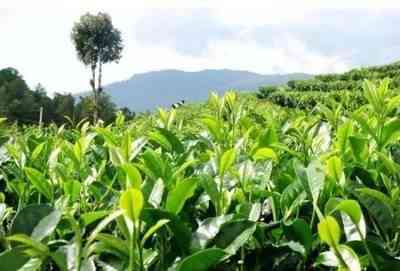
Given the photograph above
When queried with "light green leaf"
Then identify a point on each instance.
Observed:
(116, 156)
(265, 154)
(91, 217)
(312, 179)
(214, 127)
(39, 181)
(352, 217)
(37, 151)
(174, 141)
(359, 146)
(133, 176)
(132, 202)
(153, 163)
(351, 208)
(39, 248)
(226, 161)
(161, 140)
(342, 136)
(114, 243)
(329, 231)
(72, 188)
(350, 258)
(334, 170)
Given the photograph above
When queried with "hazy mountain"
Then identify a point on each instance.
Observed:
(147, 91)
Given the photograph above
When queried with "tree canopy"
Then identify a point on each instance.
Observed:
(97, 42)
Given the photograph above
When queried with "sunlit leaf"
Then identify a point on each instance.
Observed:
(329, 231)
(132, 202)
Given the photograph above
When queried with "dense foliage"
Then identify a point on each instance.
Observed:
(237, 184)
(352, 80)
(20, 104)
(310, 99)
(344, 88)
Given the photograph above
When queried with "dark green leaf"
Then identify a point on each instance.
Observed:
(182, 192)
(202, 260)
(234, 235)
(13, 259)
(37, 221)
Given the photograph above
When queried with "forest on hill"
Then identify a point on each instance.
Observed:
(21, 104)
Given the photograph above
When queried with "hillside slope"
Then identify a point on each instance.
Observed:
(344, 88)
(148, 91)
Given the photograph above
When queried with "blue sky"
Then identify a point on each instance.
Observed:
(291, 36)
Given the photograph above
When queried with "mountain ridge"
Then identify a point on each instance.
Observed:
(149, 90)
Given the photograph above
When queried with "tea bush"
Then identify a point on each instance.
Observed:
(234, 184)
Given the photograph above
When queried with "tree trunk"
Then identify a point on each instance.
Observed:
(99, 87)
(95, 100)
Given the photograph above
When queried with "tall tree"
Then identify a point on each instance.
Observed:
(97, 42)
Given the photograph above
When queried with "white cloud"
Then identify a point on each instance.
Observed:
(290, 56)
(35, 39)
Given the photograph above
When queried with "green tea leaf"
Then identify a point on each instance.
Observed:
(329, 231)
(154, 229)
(265, 154)
(132, 202)
(334, 170)
(37, 221)
(202, 261)
(207, 230)
(39, 181)
(133, 175)
(91, 217)
(183, 191)
(378, 205)
(234, 234)
(300, 231)
(226, 161)
(13, 259)
(72, 188)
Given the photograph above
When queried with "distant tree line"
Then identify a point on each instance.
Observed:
(19, 103)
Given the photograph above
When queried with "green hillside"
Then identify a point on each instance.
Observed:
(342, 88)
